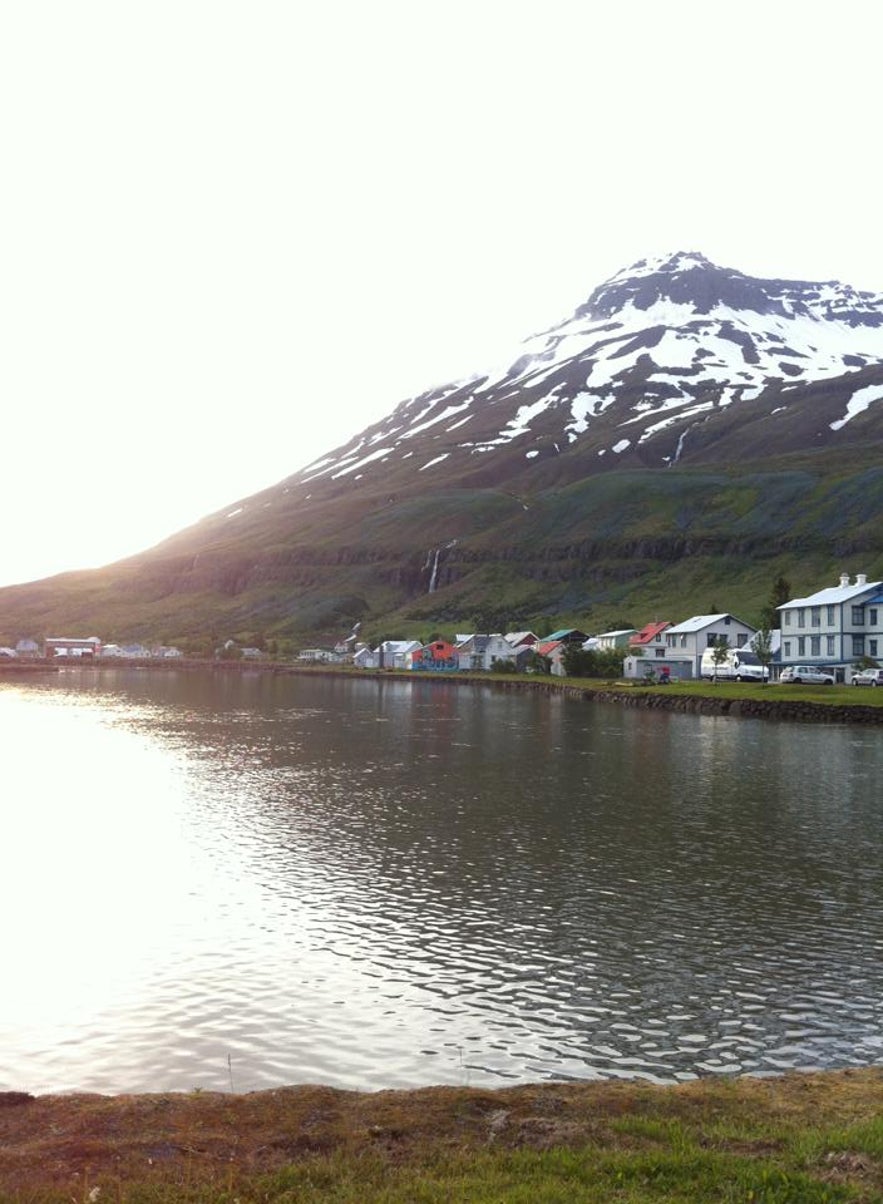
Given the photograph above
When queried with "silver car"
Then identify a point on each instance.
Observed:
(868, 677)
(807, 674)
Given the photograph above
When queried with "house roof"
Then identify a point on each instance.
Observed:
(609, 635)
(547, 646)
(833, 595)
(518, 637)
(649, 632)
(567, 632)
(700, 622)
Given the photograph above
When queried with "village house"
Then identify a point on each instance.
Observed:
(834, 627)
(522, 639)
(437, 656)
(685, 642)
(650, 640)
(389, 654)
(480, 651)
(125, 651)
(315, 656)
(553, 651)
(567, 635)
(609, 640)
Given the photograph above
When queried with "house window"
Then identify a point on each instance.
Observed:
(683, 641)
(801, 618)
(815, 645)
(671, 640)
(872, 648)
(711, 640)
(816, 616)
(741, 639)
(801, 645)
(786, 618)
(858, 616)
(872, 617)
(830, 616)
(726, 621)
(858, 645)
(659, 651)
(830, 641)
(786, 648)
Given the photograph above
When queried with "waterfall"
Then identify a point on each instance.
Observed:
(434, 574)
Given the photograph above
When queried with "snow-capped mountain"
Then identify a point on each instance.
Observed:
(746, 416)
(660, 366)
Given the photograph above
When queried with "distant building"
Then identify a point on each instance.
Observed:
(71, 646)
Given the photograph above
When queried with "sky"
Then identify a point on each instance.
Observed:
(236, 234)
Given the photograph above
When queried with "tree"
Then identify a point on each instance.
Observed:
(719, 652)
(593, 662)
(780, 593)
(763, 647)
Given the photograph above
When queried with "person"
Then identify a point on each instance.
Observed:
(665, 676)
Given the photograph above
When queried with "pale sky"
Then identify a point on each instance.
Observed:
(234, 234)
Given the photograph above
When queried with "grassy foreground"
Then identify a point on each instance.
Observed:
(801, 1138)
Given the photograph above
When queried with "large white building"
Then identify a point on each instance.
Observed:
(834, 627)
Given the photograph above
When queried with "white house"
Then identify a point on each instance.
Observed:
(835, 626)
(480, 651)
(688, 640)
(608, 640)
(392, 654)
(522, 639)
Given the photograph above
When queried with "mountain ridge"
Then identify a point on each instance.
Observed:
(654, 353)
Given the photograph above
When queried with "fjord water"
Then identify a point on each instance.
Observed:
(213, 880)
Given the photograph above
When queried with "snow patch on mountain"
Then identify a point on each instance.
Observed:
(858, 403)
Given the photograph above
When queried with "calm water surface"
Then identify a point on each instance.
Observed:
(213, 881)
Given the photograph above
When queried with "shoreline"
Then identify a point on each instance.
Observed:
(727, 700)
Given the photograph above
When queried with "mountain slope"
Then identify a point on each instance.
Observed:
(688, 424)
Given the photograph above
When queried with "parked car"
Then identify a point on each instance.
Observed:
(807, 674)
(868, 677)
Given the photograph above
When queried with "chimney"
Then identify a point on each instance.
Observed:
(844, 580)
(861, 578)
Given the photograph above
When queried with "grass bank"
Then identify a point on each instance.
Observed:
(800, 1138)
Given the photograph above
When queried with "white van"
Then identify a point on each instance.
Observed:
(741, 664)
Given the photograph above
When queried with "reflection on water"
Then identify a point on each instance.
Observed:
(210, 879)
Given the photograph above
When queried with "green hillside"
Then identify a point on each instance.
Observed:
(620, 546)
